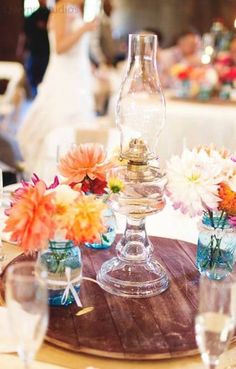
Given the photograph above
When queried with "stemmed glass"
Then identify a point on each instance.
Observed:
(27, 304)
(215, 321)
(1, 199)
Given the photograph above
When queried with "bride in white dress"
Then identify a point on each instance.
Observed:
(65, 95)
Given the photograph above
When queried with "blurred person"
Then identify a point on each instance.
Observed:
(186, 51)
(65, 94)
(103, 56)
(102, 44)
(33, 46)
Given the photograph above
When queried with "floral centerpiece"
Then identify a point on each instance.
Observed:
(202, 182)
(39, 213)
(53, 220)
(84, 168)
(226, 69)
(194, 81)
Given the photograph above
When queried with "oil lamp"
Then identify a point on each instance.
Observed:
(140, 116)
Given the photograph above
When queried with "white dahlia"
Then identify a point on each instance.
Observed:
(193, 182)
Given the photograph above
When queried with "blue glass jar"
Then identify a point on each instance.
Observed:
(108, 237)
(183, 88)
(216, 247)
(62, 260)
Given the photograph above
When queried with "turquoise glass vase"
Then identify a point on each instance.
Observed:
(216, 247)
(63, 262)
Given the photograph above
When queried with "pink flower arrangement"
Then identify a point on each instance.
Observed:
(203, 180)
(38, 214)
(69, 209)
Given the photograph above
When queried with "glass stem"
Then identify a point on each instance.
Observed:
(135, 244)
(27, 358)
(2, 256)
(211, 366)
(27, 364)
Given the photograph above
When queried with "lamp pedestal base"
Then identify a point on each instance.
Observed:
(134, 272)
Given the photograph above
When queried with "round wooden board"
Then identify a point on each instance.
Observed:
(153, 328)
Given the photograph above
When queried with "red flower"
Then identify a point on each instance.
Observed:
(98, 187)
(86, 186)
(229, 76)
(183, 76)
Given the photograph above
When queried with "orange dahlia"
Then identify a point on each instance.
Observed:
(30, 218)
(84, 160)
(88, 221)
(228, 199)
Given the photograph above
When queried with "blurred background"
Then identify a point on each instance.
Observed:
(170, 16)
(196, 62)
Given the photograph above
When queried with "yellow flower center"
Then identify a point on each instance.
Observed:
(61, 209)
(194, 178)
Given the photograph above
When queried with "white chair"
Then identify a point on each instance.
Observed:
(10, 100)
(94, 133)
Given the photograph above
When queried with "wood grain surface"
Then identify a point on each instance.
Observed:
(152, 328)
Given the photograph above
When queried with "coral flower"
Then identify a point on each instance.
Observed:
(228, 199)
(88, 222)
(30, 217)
(85, 160)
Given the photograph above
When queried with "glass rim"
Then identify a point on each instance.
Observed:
(147, 37)
(10, 273)
(229, 280)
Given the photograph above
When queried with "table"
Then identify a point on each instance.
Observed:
(167, 221)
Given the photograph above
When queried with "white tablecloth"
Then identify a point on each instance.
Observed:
(168, 223)
(194, 124)
(191, 124)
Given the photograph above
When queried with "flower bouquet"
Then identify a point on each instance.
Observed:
(84, 168)
(227, 77)
(194, 81)
(53, 220)
(203, 182)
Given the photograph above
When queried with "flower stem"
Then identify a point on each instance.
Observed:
(211, 218)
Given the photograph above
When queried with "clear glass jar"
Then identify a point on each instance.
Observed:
(63, 263)
(216, 247)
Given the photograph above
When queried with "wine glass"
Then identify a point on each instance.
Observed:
(1, 205)
(215, 321)
(63, 149)
(27, 304)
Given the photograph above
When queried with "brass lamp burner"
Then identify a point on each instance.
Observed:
(138, 169)
(138, 152)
